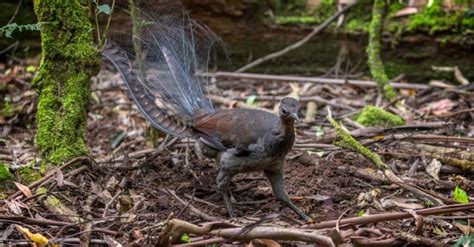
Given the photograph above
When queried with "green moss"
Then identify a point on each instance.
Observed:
(345, 140)
(285, 20)
(29, 175)
(7, 109)
(50, 200)
(356, 26)
(297, 13)
(372, 116)
(5, 173)
(69, 59)
(374, 48)
(433, 19)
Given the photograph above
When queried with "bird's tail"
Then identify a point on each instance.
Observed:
(160, 53)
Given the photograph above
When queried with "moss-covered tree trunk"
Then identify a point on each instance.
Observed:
(69, 59)
(373, 50)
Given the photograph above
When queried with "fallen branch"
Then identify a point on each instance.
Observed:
(315, 31)
(304, 79)
(302, 99)
(175, 228)
(369, 219)
(345, 140)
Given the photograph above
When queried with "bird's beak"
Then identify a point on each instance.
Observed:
(294, 115)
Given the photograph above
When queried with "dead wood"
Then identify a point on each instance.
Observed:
(175, 228)
(369, 219)
(302, 79)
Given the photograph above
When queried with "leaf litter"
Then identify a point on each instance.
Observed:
(138, 186)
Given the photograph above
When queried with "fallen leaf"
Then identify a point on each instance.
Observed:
(59, 177)
(439, 107)
(24, 189)
(466, 230)
(433, 168)
(14, 207)
(36, 238)
(402, 204)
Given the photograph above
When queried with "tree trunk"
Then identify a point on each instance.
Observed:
(69, 59)
(373, 50)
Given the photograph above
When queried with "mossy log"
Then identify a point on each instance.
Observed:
(69, 60)
(374, 116)
(55, 206)
(345, 140)
(373, 50)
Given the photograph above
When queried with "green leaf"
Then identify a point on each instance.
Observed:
(104, 8)
(459, 195)
(361, 213)
(31, 69)
(251, 100)
(185, 238)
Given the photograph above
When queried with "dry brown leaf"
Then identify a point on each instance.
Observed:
(59, 177)
(439, 107)
(433, 168)
(466, 230)
(14, 207)
(399, 202)
(24, 189)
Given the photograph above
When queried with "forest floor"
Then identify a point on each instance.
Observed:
(127, 192)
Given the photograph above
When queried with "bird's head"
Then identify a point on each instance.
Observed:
(289, 108)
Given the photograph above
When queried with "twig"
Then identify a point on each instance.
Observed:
(175, 228)
(105, 33)
(302, 99)
(107, 206)
(49, 175)
(303, 79)
(86, 230)
(315, 31)
(141, 153)
(195, 211)
(369, 219)
(416, 239)
(16, 12)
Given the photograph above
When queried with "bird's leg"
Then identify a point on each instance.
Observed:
(204, 151)
(223, 181)
(276, 180)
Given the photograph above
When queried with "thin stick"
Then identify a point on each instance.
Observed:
(305, 79)
(368, 219)
(315, 31)
(49, 175)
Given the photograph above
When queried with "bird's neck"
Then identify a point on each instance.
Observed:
(287, 125)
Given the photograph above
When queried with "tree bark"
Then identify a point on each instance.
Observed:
(373, 50)
(69, 60)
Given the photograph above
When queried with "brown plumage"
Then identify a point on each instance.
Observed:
(160, 65)
(246, 140)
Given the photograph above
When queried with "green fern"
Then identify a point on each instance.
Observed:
(8, 29)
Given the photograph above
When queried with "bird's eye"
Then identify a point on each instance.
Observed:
(284, 111)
